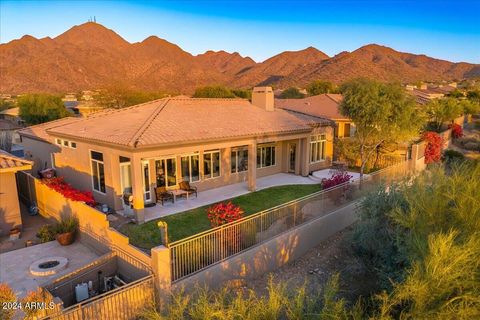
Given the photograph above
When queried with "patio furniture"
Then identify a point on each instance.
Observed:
(185, 186)
(164, 195)
(178, 193)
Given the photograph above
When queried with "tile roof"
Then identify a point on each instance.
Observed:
(11, 111)
(39, 131)
(9, 162)
(322, 105)
(180, 119)
(8, 125)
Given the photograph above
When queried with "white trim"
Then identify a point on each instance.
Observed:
(211, 164)
(91, 172)
(270, 145)
(189, 157)
(150, 200)
(318, 141)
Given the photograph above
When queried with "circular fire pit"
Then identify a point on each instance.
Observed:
(48, 266)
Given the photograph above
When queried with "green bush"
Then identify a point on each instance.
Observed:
(213, 92)
(46, 233)
(452, 155)
(292, 93)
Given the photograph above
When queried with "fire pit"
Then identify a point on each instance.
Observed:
(48, 266)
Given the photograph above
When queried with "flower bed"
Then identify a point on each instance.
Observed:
(433, 149)
(224, 212)
(457, 130)
(335, 179)
(58, 184)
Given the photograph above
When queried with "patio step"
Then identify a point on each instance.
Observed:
(313, 178)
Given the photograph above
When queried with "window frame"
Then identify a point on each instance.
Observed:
(260, 153)
(97, 162)
(211, 152)
(189, 156)
(318, 141)
(237, 150)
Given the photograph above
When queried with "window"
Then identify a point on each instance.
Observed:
(73, 145)
(166, 171)
(58, 141)
(317, 148)
(125, 175)
(65, 143)
(346, 130)
(265, 156)
(190, 166)
(239, 160)
(98, 172)
(211, 164)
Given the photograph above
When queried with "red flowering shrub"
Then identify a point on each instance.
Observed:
(58, 184)
(457, 130)
(224, 212)
(336, 179)
(433, 149)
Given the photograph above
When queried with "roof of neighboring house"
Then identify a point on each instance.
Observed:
(6, 125)
(11, 111)
(322, 105)
(180, 120)
(10, 163)
(39, 131)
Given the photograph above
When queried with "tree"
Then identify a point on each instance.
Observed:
(40, 108)
(320, 87)
(474, 96)
(292, 93)
(242, 93)
(213, 92)
(456, 94)
(382, 113)
(6, 104)
(444, 110)
(118, 97)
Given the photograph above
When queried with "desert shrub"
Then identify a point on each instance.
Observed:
(213, 92)
(433, 149)
(452, 156)
(292, 93)
(46, 233)
(6, 295)
(277, 303)
(223, 212)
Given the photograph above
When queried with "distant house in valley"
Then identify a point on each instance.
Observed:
(206, 142)
(322, 106)
(8, 136)
(12, 115)
(10, 216)
(425, 93)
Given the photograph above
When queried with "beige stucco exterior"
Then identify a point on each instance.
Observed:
(75, 164)
(10, 216)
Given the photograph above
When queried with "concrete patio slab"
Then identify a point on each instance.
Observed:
(327, 173)
(15, 265)
(223, 193)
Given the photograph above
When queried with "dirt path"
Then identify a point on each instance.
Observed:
(332, 256)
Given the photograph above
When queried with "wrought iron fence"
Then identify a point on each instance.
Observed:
(199, 251)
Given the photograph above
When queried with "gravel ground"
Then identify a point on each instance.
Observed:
(334, 255)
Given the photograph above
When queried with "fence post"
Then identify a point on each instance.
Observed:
(162, 269)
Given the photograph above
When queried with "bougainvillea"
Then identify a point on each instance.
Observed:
(336, 179)
(58, 184)
(223, 212)
(457, 130)
(433, 149)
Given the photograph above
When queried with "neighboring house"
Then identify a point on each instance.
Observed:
(424, 94)
(12, 115)
(323, 106)
(208, 142)
(10, 216)
(8, 137)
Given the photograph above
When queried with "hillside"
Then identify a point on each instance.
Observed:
(90, 56)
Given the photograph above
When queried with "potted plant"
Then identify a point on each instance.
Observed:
(65, 230)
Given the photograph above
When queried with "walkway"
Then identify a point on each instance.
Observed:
(223, 193)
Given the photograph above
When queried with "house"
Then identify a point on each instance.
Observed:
(423, 94)
(8, 137)
(10, 216)
(12, 115)
(208, 142)
(322, 106)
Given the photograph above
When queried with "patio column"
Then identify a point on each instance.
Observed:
(306, 156)
(298, 158)
(137, 190)
(252, 166)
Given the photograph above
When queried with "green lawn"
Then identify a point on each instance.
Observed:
(187, 223)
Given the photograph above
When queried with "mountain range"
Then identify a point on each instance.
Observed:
(91, 56)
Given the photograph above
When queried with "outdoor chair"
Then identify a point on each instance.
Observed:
(163, 195)
(185, 186)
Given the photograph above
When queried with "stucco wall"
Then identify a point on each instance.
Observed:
(9, 208)
(39, 152)
(274, 253)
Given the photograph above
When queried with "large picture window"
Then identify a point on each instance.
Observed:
(239, 160)
(211, 164)
(98, 172)
(265, 156)
(317, 148)
(190, 168)
(166, 171)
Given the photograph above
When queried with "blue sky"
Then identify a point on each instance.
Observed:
(259, 29)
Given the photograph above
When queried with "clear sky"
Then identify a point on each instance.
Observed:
(259, 29)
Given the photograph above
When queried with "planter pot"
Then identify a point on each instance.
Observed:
(15, 233)
(66, 239)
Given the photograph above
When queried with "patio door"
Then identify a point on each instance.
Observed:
(292, 153)
(166, 172)
(147, 194)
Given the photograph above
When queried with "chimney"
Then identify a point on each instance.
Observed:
(263, 97)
